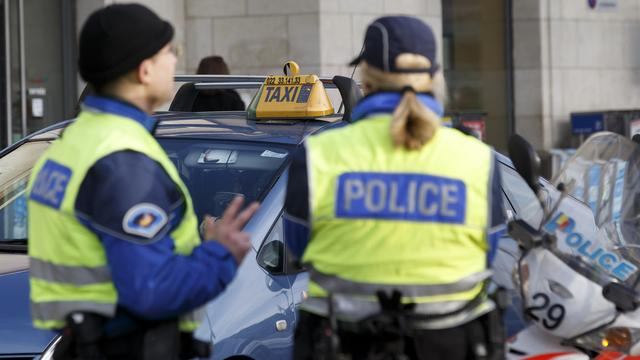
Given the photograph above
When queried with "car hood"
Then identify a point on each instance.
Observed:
(17, 335)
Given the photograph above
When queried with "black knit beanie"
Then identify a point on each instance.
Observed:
(117, 38)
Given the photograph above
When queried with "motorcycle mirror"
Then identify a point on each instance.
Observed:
(527, 236)
(525, 160)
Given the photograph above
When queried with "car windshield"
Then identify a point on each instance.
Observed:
(214, 172)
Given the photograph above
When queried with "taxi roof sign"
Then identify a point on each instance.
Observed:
(290, 96)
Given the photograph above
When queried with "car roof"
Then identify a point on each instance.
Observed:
(229, 125)
(219, 125)
(234, 126)
(503, 159)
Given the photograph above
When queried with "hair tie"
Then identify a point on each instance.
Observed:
(408, 88)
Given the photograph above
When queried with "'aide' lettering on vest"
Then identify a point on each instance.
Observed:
(412, 197)
(51, 184)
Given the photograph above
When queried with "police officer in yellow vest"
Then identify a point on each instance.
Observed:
(117, 261)
(395, 217)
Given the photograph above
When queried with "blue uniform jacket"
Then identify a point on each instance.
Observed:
(151, 280)
(296, 217)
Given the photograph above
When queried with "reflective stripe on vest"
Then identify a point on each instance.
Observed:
(383, 216)
(69, 266)
(337, 285)
(64, 274)
(42, 311)
(191, 321)
(355, 309)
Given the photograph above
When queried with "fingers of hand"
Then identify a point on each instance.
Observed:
(232, 209)
(243, 243)
(245, 215)
(245, 238)
(209, 227)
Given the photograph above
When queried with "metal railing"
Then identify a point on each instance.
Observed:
(349, 90)
(209, 82)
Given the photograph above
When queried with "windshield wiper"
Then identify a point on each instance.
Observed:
(14, 245)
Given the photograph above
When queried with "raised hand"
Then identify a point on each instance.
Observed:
(228, 229)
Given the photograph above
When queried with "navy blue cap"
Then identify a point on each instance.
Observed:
(390, 36)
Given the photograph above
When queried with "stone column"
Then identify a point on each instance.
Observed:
(528, 60)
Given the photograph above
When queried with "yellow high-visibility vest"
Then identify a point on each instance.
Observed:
(69, 270)
(390, 218)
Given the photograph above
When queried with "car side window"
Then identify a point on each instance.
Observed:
(15, 169)
(13, 211)
(271, 255)
(520, 196)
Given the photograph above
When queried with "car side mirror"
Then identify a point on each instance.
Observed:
(525, 160)
(271, 257)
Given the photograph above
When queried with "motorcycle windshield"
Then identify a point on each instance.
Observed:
(603, 241)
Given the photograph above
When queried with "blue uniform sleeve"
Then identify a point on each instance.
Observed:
(497, 219)
(129, 201)
(296, 205)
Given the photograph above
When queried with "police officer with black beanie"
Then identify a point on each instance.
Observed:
(119, 265)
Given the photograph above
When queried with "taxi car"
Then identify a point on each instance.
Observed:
(219, 155)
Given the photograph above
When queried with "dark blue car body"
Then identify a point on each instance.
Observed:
(17, 336)
(255, 316)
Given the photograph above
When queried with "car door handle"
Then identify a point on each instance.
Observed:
(281, 325)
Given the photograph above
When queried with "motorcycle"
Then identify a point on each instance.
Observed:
(578, 270)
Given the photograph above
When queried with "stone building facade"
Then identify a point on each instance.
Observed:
(525, 64)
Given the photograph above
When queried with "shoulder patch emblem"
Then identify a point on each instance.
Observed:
(145, 220)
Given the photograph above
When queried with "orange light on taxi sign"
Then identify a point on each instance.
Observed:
(290, 96)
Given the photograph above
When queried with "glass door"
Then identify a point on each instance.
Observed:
(12, 70)
(37, 66)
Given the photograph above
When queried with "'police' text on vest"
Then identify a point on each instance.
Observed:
(397, 196)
